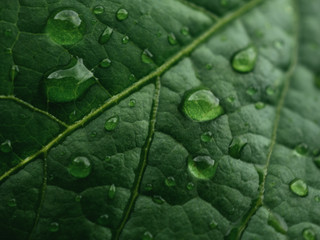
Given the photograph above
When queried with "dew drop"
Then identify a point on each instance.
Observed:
(78, 198)
(251, 91)
(170, 181)
(107, 158)
(206, 137)
(213, 224)
(103, 220)
(209, 66)
(275, 221)
(146, 56)
(316, 161)
(12, 202)
(236, 146)
(308, 234)
(201, 105)
(190, 186)
(54, 227)
(302, 149)
(65, 27)
(6, 146)
(202, 167)
(14, 72)
(97, 10)
(172, 39)
(105, 35)
(278, 44)
(299, 187)
(80, 167)
(147, 236)
(132, 102)
(158, 199)
(270, 91)
(111, 123)
(132, 77)
(125, 39)
(245, 60)
(122, 14)
(69, 83)
(105, 63)
(93, 134)
(231, 99)
(184, 31)
(112, 191)
(260, 105)
(148, 187)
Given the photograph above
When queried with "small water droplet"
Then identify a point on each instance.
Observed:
(125, 39)
(172, 39)
(122, 14)
(317, 198)
(236, 146)
(158, 199)
(14, 72)
(80, 167)
(270, 91)
(132, 103)
(302, 149)
(184, 31)
(105, 63)
(202, 167)
(190, 186)
(12, 202)
(97, 10)
(316, 161)
(103, 220)
(209, 66)
(112, 191)
(260, 105)
(111, 123)
(299, 187)
(275, 221)
(146, 56)
(308, 234)
(93, 134)
(68, 83)
(278, 44)
(147, 236)
(159, 33)
(132, 77)
(201, 105)
(54, 227)
(206, 137)
(6, 146)
(78, 198)
(213, 224)
(245, 60)
(231, 99)
(105, 35)
(8, 32)
(65, 27)
(107, 158)
(251, 91)
(148, 187)
(170, 181)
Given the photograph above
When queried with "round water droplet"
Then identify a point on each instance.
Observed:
(277, 222)
(213, 224)
(103, 220)
(147, 236)
(201, 105)
(105, 63)
(172, 39)
(270, 91)
(80, 167)
(132, 103)
(111, 123)
(6, 147)
(170, 181)
(245, 60)
(260, 105)
(206, 137)
(278, 44)
(65, 27)
(14, 72)
(107, 158)
(146, 56)
(132, 77)
(184, 31)
(54, 227)
(122, 14)
(316, 161)
(105, 35)
(78, 198)
(236, 146)
(112, 191)
(209, 66)
(93, 134)
(148, 187)
(302, 149)
(202, 167)
(69, 83)
(251, 91)
(158, 199)
(125, 39)
(317, 198)
(190, 186)
(299, 187)
(308, 234)
(97, 10)
(12, 202)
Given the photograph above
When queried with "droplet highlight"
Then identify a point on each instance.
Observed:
(125, 39)
(112, 191)
(299, 187)
(105, 63)
(245, 60)
(80, 167)
(111, 123)
(202, 167)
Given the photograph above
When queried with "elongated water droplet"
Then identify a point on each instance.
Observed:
(172, 39)
(245, 60)
(299, 187)
(316, 161)
(103, 220)
(302, 149)
(132, 102)
(122, 14)
(12, 202)
(112, 191)
(236, 146)
(201, 105)
(6, 146)
(275, 221)
(206, 137)
(308, 234)
(158, 199)
(78, 198)
(260, 105)
(80, 167)
(190, 186)
(54, 227)
(105, 63)
(14, 72)
(147, 236)
(125, 39)
(213, 224)
(202, 167)
(65, 27)
(148, 187)
(251, 91)
(170, 181)
(111, 123)
(146, 56)
(97, 10)
(105, 35)
(69, 83)
(184, 31)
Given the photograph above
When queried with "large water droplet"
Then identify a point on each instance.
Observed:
(206, 137)
(170, 181)
(125, 39)
(236, 146)
(122, 14)
(103, 220)
(147, 236)
(245, 60)
(302, 149)
(146, 56)
(65, 27)
(202, 167)
(80, 167)
(172, 39)
(54, 227)
(97, 10)
(112, 191)
(158, 199)
(105, 63)
(105, 35)
(299, 187)
(111, 123)
(68, 83)
(308, 234)
(277, 223)
(6, 146)
(201, 105)
(12, 202)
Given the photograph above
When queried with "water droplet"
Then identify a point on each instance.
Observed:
(251, 91)
(105, 63)
(12, 202)
(78, 198)
(213, 224)
(209, 66)
(105, 35)
(14, 72)
(125, 39)
(202, 167)
(224, 3)
(98, 10)
(122, 14)
(172, 39)
(302, 149)
(275, 221)
(206, 137)
(278, 44)
(190, 186)
(93, 134)
(103, 220)
(112, 191)
(65, 27)
(270, 91)
(69, 83)
(308, 234)
(184, 31)
(8, 33)
(316, 161)
(107, 158)
(317, 198)
(170, 181)
(299, 187)
(111, 123)
(80, 167)
(146, 56)
(236, 146)
(6, 146)
(147, 236)
(260, 105)
(201, 105)
(132, 77)
(158, 199)
(245, 60)
(132, 103)
(148, 187)
(54, 227)
(231, 99)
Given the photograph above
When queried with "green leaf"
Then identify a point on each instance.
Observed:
(171, 119)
